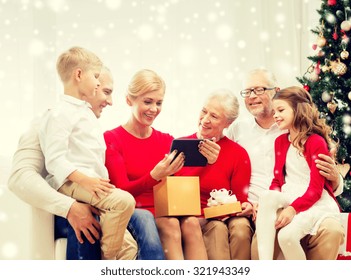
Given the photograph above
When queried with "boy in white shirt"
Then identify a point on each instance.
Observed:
(74, 149)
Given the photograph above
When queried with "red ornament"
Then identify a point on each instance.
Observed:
(306, 87)
(331, 2)
(314, 46)
(335, 36)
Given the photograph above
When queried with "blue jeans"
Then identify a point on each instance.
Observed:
(141, 225)
(143, 228)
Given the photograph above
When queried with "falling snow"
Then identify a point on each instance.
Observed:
(197, 46)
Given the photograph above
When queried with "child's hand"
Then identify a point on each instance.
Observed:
(98, 187)
(285, 217)
(254, 211)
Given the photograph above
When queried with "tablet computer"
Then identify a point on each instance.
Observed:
(190, 148)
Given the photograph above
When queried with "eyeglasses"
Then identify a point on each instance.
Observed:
(258, 91)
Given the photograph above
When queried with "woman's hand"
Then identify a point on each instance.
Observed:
(247, 209)
(285, 217)
(210, 150)
(166, 167)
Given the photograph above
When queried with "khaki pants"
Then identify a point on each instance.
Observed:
(129, 249)
(116, 210)
(229, 240)
(322, 246)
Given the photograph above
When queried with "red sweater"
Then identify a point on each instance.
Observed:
(314, 145)
(129, 161)
(231, 171)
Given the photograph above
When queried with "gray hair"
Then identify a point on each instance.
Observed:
(228, 101)
(270, 77)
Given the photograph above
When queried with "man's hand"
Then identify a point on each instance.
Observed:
(80, 216)
(327, 168)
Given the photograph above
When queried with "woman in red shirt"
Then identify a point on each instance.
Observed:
(137, 159)
(231, 171)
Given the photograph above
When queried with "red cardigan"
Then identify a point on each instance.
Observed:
(314, 145)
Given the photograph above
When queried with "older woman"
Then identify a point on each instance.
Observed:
(137, 158)
(232, 171)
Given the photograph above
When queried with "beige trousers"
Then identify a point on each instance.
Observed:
(229, 240)
(322, 246)
(116, 210)
(129, 249)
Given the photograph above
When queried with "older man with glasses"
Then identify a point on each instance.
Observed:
(257, 136)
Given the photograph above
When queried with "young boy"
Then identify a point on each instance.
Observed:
(74, 149)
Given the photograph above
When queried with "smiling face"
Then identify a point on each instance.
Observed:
(146, 107)
(212, 120)
(259, 106)
(103, 95)
(283, 114)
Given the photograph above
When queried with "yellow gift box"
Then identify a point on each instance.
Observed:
(177, 196)
(222, 210)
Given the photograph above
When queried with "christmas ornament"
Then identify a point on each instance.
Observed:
(306, 87)
(349, 95)
(339, 14)
(331, 2)
(344, 54)
(326, 97)
(335, 34)
(345, 25)
(343, 169)
(346, 119)
(332, 106)
(338, 68)
(321, 41)
(325, 68)
(313, 77)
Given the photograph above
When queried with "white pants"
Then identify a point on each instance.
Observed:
(288, 237)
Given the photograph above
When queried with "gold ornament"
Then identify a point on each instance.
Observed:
(345, 25)
(344, 54)
(338, 68)
(343, 169)
(332, 106)
(325, 68)
(349, 95)
(321, 41)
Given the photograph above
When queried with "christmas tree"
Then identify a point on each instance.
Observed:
(328, 80)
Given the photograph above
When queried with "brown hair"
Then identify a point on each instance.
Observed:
(306, 116)
(76, 57)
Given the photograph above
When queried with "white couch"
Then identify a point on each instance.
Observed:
(27, 233)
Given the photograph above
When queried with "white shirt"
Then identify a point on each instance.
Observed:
(71, 139)
(259, 143)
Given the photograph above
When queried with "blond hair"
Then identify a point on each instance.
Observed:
(144, 81)
(76, 57)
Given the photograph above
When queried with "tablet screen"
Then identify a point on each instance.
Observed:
(190, 148)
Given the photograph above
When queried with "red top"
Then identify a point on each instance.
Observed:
(129, 161)
(314, 145)
(231, 171)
